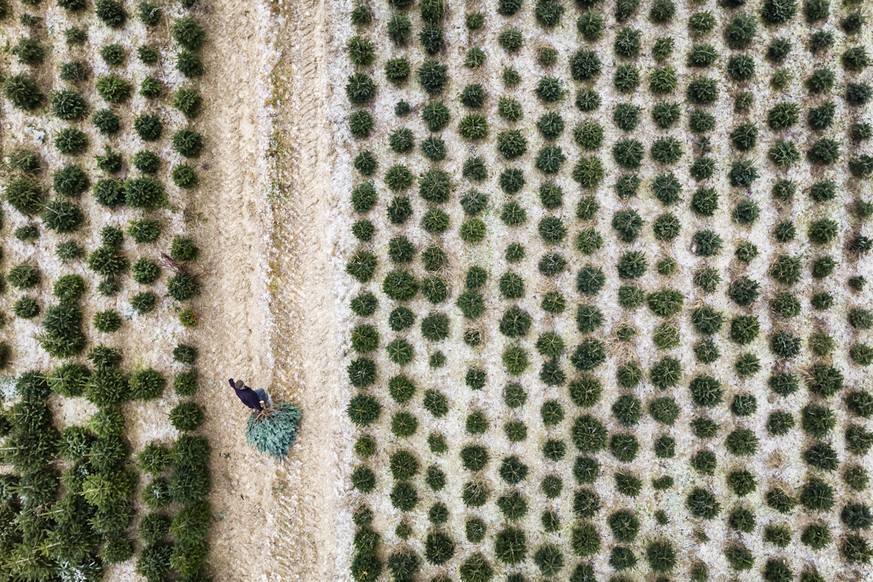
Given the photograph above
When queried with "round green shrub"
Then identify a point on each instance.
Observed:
(188, 143)
(147, 384)
(702, 504)
(71, 141)
(148, 127)
(186, 416)
(23, 92)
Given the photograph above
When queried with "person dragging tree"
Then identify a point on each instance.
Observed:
(258, 400)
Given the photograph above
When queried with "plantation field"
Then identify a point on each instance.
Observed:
(608, 315)
(565, 289)
(97, 340)
(101, 156)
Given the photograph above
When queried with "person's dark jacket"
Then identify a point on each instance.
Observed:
(248, 397)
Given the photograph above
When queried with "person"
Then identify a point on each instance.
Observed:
(258, 400)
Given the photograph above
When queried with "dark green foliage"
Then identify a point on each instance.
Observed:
(706, 391)
(860, 403)
(70, 180)
(111, 12)
(740, 31)
(30, 51)
(627, 186)
(742, 442)
(856, 516)
(628, 153)
(626, 116)
(26, 307)
(62, 216)
(627, 224)
(624, 447)
(666, 227)
(184, 176)
(821, 117)
(666, 150)
(817, 495)
(665, 303)
(821, 456)
(704, 202)
(820, 81)
(363, 410)
(550, 90)
(825, 151)
(107, 321)
(114, 89)
(664, 410)
(661, 556)
(701, 56)
(69, 288)
(662, 11)
(739, 557)
(702, 91)
(741, 482)
(589, 434)
(74, 71)
(24, 276)
(627, 409)
(360, 124)
(627, 43)
(702, 504)
(188, 143)
(474, 457)
(666, 114)
(62, 334)
(744, 136)
(550, 159)
(71, 141)
(858, 94)
(510, 39)
(858, 439)
(186, 416)
(778, 11)
(183, 286)
(188, 33)
(585, 539)
(824, 380)
(147, 384)
(144, 192)
(743, 291)
(704, 462)
(69, 105)
(625, 9)
(776, 570)
(148, 127)
(113, 54)
(858, 318)
(476, 569)
(627, 484)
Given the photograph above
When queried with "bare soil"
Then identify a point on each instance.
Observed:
(268, 312)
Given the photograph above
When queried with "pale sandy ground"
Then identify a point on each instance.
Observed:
(268, 315)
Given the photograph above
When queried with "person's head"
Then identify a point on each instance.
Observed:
(238, 384)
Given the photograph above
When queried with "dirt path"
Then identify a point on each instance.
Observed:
(234, 330)
(269, 315)
(308, 488)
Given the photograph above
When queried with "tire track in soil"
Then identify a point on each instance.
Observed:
(233, 330)
(308, 486)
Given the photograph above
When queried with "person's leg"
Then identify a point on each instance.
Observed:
(264, 396)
